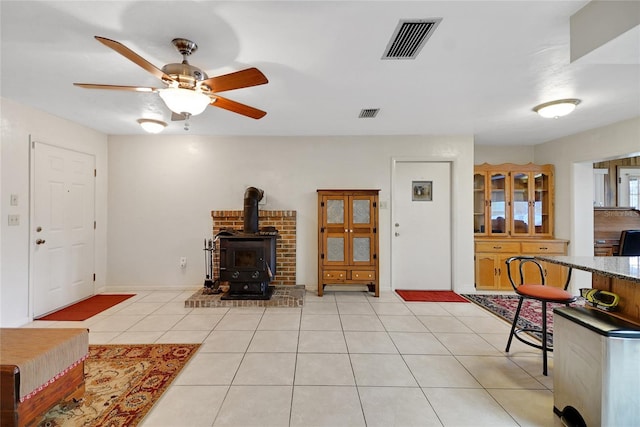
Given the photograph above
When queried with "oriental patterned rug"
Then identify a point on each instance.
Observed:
(505, 307)
(122, 383)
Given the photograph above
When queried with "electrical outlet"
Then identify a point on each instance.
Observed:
(183, 262)
(14, 220)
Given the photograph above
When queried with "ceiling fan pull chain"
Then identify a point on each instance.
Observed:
(187, 116)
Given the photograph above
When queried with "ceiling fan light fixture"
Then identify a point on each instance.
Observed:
(151, 125)
(184, 101)
(555, 109)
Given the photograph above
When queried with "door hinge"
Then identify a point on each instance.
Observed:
(375, 230)
(94, 277)
(94, 225)
(95, 172)
(375, 256)
(375, 204)
(322, 229)
(619, 180)
(321, 256)
(322, 204)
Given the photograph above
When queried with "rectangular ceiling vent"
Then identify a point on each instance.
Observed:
(368, 113)
(409, 37)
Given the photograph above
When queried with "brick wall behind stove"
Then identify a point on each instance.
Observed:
(283, 221)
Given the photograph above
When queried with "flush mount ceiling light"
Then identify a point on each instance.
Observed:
(151, 125)
(555, 109)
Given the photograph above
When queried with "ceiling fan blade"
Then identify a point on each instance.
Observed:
(116, 87)
(236, 80)
(134, 57)
(237, 107)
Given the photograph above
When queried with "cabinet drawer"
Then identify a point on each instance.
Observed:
(363, 275)
(543, 248)
(334, 274)
(498, 247)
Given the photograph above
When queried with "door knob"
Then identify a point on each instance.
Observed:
(397, 225)
(40, 241)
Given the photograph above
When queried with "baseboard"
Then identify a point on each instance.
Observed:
(148, 288)
(17, 323)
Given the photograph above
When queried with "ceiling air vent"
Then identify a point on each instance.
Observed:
(409, 37)
(368, 113)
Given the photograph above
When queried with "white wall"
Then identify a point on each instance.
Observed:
(19, 124)
(162, 189)
(573, 157)
(496, 154)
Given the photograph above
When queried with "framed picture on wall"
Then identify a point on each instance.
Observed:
(421, 191)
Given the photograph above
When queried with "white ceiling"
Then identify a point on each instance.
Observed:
(487, 64)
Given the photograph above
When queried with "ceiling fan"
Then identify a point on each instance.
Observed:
(188, 89)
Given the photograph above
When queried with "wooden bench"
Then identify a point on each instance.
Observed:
(39, 368)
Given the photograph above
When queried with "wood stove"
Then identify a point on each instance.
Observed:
(248, 257)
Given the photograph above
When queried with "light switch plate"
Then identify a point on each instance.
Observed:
(13, 201)
(14, 220)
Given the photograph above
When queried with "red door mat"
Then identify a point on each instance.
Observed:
(430, 296)
(87, 308)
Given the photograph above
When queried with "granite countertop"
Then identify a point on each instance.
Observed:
(619, 267)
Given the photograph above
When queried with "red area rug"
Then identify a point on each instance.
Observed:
(430, 296)
(87, 308)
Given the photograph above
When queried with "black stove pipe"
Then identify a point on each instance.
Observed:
(252, 196)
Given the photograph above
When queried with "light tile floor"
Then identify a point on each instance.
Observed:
(344, 359)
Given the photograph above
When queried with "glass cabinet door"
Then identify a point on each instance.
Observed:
(520, 203)
(336, 249)
(335, 211)
(479, 204)
(542, 203)
(498, 203)
(361, 229)
(361, 212)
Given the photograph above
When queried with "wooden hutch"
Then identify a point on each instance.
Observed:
(348, 239)
(513, 211)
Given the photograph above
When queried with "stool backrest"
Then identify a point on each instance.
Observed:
(522, 262)
(629, 243)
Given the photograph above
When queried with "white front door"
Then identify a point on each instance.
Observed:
(63, 228)
(421, 226)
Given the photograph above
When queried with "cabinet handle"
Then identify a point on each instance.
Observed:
(543, 248)
(495, 271)
(497, 247)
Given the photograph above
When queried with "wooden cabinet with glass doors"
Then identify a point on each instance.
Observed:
(348, 239)
(513, 215)
(513, 200)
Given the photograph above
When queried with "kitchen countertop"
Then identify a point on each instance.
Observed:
(618, 267)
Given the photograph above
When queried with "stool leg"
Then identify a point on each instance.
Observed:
(513, 327)
(544, 338)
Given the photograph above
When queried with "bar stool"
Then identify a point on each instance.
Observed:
(537, 291)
